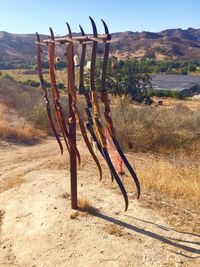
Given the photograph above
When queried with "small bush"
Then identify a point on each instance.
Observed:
(166, 93)
(31, 83)
(6, 76)
(61, 86)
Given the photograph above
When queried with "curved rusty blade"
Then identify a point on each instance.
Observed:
(105, 27)
(105, 59)
(105, 62)
(87, 142)
(82, 31)
(93, 27)
(69, 30)
(82, 89)
(116, 177)
(51, 34)
(93, 56)
(128, 166)
(96, 118)
(55, 95)
(108, 119)
(42, 85)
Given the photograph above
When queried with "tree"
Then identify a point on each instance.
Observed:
(184, 71)
(127, 79)
(191, 67)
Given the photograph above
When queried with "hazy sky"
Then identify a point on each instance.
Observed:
(24, 16)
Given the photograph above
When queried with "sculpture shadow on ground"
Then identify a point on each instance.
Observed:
(161, 238)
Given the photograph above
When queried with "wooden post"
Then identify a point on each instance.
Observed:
(72, 128)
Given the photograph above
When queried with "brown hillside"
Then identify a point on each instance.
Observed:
(172, 43)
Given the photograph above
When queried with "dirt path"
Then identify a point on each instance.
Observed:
(36, 228)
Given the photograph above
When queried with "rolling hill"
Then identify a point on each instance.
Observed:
(171, 43)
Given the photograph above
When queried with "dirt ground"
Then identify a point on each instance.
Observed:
(38, 227)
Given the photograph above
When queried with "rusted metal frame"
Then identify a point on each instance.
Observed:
(55, 96)
(98, 128)
(107, 116)
(42, 85)
(54, 89)
(77, 39)
(72, 91)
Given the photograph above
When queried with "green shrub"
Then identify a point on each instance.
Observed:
(165, 93)
(60, 85)
(7, 76)
(31, 83)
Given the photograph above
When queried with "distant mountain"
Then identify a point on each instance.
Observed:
(17, 47)
(171, 43)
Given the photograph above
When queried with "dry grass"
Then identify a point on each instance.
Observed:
(113, 229)
(21, 75)
(157, 129)
(85, 206)
(65, 195)
(73, 214)
(179, 181)
(19, 132)
(18, 121)
(11, 182)
(168, 140)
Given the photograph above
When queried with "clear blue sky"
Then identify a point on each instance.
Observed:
(24, 16)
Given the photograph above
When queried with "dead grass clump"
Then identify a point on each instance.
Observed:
(85, 206)
(11, 182)
(57, 163)
(115, 230)
(77, 213)
(65, 195)
(73, 214)
(83, 203)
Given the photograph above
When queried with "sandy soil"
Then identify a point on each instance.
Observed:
(38, 228)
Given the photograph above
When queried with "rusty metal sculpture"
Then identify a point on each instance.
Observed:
(94, 120)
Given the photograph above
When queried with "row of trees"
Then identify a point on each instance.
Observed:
(128, 78)
(152, 66)
(145, 65)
